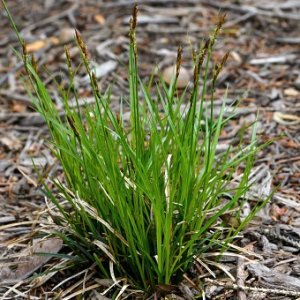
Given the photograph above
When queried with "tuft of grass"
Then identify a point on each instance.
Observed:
(142, 199)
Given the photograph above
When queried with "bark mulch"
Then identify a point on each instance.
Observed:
(263, 71)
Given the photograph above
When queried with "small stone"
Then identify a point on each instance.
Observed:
(291, 92)
(183, 77)
(66, 35)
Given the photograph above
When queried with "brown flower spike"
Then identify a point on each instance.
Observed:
(81, 43)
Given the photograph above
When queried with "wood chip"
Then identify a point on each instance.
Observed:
(286, 119)
(66, 35)
(100, 19)
(36, 46)
(279, 59)
(274, 279)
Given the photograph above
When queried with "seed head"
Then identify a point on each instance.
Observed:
(134, 17)
(81, 43)
(72, 125)
(95, 83)
(221, 21)
(68, 57)
(178, 61)
(133, 22)
(24, 48)
(34, 63)
(219, 66)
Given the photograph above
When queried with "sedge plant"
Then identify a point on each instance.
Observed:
(143, 197)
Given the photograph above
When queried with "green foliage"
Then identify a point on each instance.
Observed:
(144, 198)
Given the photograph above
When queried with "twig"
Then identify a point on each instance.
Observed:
(281, 237)
(288, 40)
(278, 59)
(15, 69)
(240, 278)
(253, 289)
(239, 19)
(252, 9)
(11, 95)
(43, 22)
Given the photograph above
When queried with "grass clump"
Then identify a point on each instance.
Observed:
(145, 198)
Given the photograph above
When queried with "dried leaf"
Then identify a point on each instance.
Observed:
(29, 263)
(18, 107)
(276, 212)
(249, 247)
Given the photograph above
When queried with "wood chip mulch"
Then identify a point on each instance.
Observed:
(263, 70)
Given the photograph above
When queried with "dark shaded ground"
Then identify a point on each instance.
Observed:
(264, 40)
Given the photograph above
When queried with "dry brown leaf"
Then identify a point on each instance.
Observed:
(249, 247)
(29, 262)
(289, 143)
(18, 107)
(276, 212)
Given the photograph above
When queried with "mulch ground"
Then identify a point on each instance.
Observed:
(263, 71)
